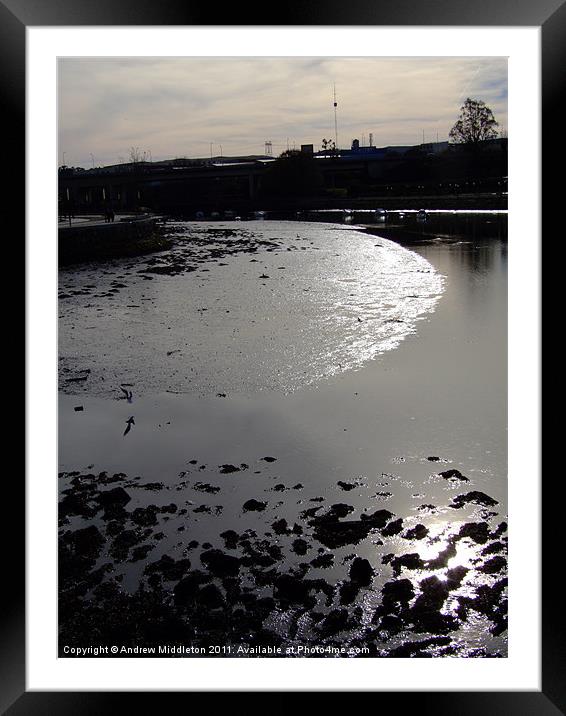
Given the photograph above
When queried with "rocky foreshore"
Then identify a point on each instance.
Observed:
(101, 242)
(132, 573)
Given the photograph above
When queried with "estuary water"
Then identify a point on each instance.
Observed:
(284, 379)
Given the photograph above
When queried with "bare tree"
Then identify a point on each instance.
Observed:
(135, 155)
(475, 124)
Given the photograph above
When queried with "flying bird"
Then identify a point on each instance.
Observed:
(129, 422)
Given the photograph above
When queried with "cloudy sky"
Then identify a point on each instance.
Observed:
(174, 107)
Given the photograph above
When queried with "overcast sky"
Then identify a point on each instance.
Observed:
(174, 107)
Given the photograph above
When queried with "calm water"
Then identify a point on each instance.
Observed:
(345, 356)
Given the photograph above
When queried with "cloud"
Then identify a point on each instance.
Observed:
(178, 106)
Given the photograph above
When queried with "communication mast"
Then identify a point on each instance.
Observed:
(335, 119)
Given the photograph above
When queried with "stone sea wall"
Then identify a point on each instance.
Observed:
(106, 241)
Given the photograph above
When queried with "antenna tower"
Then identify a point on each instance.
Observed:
(335, 119)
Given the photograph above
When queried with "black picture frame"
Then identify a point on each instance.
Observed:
(15, 17)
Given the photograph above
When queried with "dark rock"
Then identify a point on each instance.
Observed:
(107, 590)
(146, 517)
(442, 559)
(311, 512)
(347, 486)
(230, 539)
(139, 553)
(114, 527)
(493, 548)
(205, 487)
(426, 612)
(409, 561)
(433, 594)
(477, 531)
(266, 604)
(152, 486)
(378, 518)
(280, 527)
(269, 459)
(453, 475)
(348, 592)
(493, 565)
(115, 497)
(488, 601)
(337, 511)
(427, 508)
(220, 564)
(123, 541)
(294, 590)
(300, 546)
(169, 509)
(323, 561)
(187, 589)
(361, 571)
(203, 508)
(417, 532)
(229, 468)
(86, 542)
(77, 503)
(455, 576)
(400, 591)
(477, 498)
(501, 529)
(334, 622)
(168, 567)
(254, 506)
(391, 623)
(393, 528)
(210, 596)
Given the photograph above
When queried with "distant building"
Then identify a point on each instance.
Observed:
(434, 147)
(307, 149)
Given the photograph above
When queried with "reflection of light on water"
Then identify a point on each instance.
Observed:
(442, 536)
(466, 552)
(343, 300)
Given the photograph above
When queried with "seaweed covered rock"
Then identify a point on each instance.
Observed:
(361, 572)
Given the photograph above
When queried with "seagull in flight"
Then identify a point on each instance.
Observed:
(129, 422)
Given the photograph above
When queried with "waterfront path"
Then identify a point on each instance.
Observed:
(88, 220)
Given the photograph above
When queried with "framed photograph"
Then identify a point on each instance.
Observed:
(283, 371)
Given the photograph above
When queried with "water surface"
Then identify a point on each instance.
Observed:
(354, 360)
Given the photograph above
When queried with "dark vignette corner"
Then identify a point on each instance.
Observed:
(12, 88)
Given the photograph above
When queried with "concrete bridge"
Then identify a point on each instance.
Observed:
(161, 187)
(237, 186)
